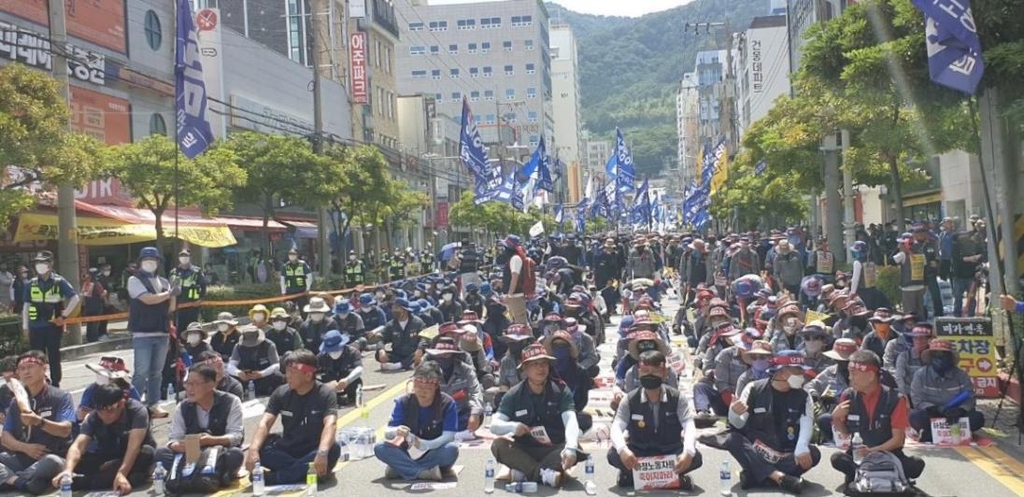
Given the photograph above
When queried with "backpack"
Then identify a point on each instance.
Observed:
(880, 473)
(203, 477)
(528, 277)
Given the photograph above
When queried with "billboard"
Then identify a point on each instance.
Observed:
(98, 21)
(106, 118)
(360, 76)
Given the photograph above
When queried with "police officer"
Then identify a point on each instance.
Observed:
(355, 271)
(396, 267)
(296, 278)
(468, 260)
(44, 312)
(426, 262)
(193, 288)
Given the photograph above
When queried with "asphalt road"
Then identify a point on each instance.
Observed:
(990, 471)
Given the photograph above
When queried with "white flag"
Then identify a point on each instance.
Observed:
(537, 229)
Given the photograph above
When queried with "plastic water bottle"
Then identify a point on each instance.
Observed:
(725, 479)
(489, 477)
(359, 396)
(159, 475)
(857, 443)
(590, 486)
(66, 480)
(522, 487)
(171, 396)
(258, 487)
(488, 410)
(251, 392)
(311, 480)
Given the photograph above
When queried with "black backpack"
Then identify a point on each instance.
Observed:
(202, 478)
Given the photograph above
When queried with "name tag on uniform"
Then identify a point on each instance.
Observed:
(760, 410)
(637, 417)
(853, 417)
(45, 413)
(286, 413)
(522, 412)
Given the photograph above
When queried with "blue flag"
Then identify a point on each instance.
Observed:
(193, 127)
(472, 149)
(581, 219)
(761, 167)
(625, 172)
(642, 205)
(560, 214)
(954, 49)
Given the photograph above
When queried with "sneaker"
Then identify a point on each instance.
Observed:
(685, 483)
(792, 484)
(448, 472)
(156, 412)
(433, 474)
(390, 473)
(517, 476)
(625, 479)
(705, 419)
(551, 477)
(747, 481)
(391, 366)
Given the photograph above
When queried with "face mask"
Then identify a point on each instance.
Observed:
(446, 363)
(149, 266)
(942, 363)
(882, 329)
(316, 317)
(184, 260)
(42, 268)
(343, 315)
(796, 381)
(650, 381)
(293, 257)
(102, 379)
(447, 297)
(759, 365)
(223, 327)
(516, 349)
(106, 273)
(380, 295)
(813, 346)
(194, 339)
(418, 293)
(280, 325)
(352, 258)
(335, 355)
(789, 329)
(259, 317)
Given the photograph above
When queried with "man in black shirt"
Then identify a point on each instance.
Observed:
(308, 411)
(340, 366)
(124, 445)
(225, 383)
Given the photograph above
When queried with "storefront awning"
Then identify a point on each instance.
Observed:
(122, 226)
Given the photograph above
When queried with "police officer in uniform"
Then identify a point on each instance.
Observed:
(426, 262)
(396, 266)
(193, 289)
(45, 311)
(355, 271)
(468, 265)
(296, 278)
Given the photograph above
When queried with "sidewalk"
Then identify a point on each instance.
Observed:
(119, 339)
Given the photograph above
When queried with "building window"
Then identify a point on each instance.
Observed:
(527, 20)
(487, 71)
(415, 26)
(507, 45)
(485, 23)
(419, 74)
(417, 50)
(532, 116)
(509, 118)
(387, 59)
(528, 44)
(534, 140)
(474, 96)
(455, 74)
(456, 96)
(435, 73)
(509, 70)
(531, 68)
(495, 22)
(474, 72)
(471, 48)
(490, 119)
(485, 47)
(466, 24)
(531, 93)
(517, 21)
(438, 25)
(453, 49)
(157, 125)
(435, 50)
(154, 35)
(510, 94)
(488, 95)
(438, 97)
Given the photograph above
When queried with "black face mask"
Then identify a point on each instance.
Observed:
(650, 381)
(516, 349)
(446, 362)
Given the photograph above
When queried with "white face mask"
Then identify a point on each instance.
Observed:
(796, 381)
(259, 317)
(184, 260)
(447, 297)
(335, 355)
(148, 266)
(380, 295)
(293, 257)
(194, 339)
(789, 329)
(223, 327)
(106, 273)
(280, 325)
(42, 268)
(352, 258)
(102, 379)
(316, 317)
(813, 346)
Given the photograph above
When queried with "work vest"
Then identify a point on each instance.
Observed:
(347, 324)
(373, 317)
(254, 358)
(44, 305)
(550, 417)
(397, 269)
(189, 283)
(295, 276)
(878, 430)
(354, 273)
(217, 425)
(435, 426)
(824, 262)
(648, 438)
(913, 267)
(763, 423)
(427, 260)
(868, 275)
(145, 318)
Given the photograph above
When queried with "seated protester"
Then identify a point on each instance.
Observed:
(227, 335)
(622, 345)
(712, 395)
(214, 415)
(34, 441)
(718, 341)
(403, 333)
(909, 361)
(294, 316)
(589, 357)
(814, 336)
(458, 381)
(530, 458)
(881, 333)
(517, 337)
(195, 343)
(308, 412)
(426, 420)
(259, 317)
(773, 421)
(340, 366)
(225, 383)
(474, 302)
(255, 359)
(644, 341)
(496, 322)
(935, 389)
(658, 420)
(758, 356)
(285, 338)
(567, 369)
(9, 369)
(787, 335)
(348, 322)
(639, 341)
(550, 324)
(877, 412)
(451, 308)
(825, 388)
(469, 342)
(470, 319)
(857, 326)
(373, 318)
(316, 324)
(109, 370)
(124, 446)
(428, 313)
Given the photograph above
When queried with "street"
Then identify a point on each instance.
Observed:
(949, 472)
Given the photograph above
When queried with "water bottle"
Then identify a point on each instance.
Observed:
(857, 443)
(159, 475)
(725, 479)
(311, 480)
(359, 396)
(65, 485)
(522, 487)
(590, 486)
(488, 477)
(488, 410)
(171, 396)
(258, 487)
(251, 392)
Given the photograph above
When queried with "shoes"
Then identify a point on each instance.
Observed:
(391, 474)
(747, 481)
(551, 477)
(625, 479)
(391, 366)
(156, 412)
(448, 472)
(705, 419)
(685, 483)
(792, 484)
(433, 474)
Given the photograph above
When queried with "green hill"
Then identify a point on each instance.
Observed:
(630, 69)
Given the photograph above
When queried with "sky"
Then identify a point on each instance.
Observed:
(630, 8)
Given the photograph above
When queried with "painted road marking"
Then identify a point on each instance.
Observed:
(997, 464)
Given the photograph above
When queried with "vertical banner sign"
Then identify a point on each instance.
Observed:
(360, 78)
(954, 49)
(193, 127)
(975, 345)
(208, 32)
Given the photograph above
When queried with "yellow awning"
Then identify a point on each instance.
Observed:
(95, 231)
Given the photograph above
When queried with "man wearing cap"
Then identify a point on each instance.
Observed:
(151, 300)
(584, 343)
(355, 271)
(909, 360)
(607, 271)
(296, 278)
(641, 262)
(402, 332)
(516, 338)
(785, 329)
(458, 381)
(340, 366)
(34, 441)
(425, 420)
(225, 383)
(539, 415)
(825, 388)
(109, 370)
(970, 252)
(226, 336)
(773, 421)
(881, 333)
(912, 261)
(567, 369)
(285, 338)
(758, 357)
(658, 420)
(729, 365)
(94, 303)
(192, 281)
(788, 268)
(120, 433)
(632, 378)
(195, 342)
(947, 239)
(45, 311)
(255, 359)
(471, 343)
(317, 323)
(308, 412)
(743, 262)
(942, 390)
(877, 412)
(373, 317)
(215, 416)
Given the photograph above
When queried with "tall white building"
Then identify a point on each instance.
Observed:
(762, 68)
(565, 101)
(687, 126)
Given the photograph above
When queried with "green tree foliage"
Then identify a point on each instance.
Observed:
(498, 218)
(152, 167)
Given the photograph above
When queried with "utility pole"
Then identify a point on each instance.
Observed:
(316, 29)
(67, 223)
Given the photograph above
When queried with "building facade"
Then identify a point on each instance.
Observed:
(688, 127)
(376, 36)
(762, 68)
(568, 132)
(598, 153)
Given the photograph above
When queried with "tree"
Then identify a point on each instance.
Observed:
(34, 136)
(155, 171)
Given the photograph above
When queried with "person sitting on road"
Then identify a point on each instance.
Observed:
(535, 454)
(909, 361)
(470, 319)
(259, 317)
(710, 345)
(758, 357)
(255, 360)
(942, 390)
(640, 339)
(308, 412)
(517, 337)
(316, 324)
(658, 420)
(425, 420)
(124, 445)
(825, 388)
(213, 415)
(402, 332)
(788, 324)
(708, 400)
(903, 325)
(225, 383)
(340, 366)
(373, 318)
(9, 369)
(881, 332)
(643, 341)
(347, 321)
(773, 421)
(285, 338)
(589, 357)
(567, 369)
(226, 336)
(451, 306)
(469, 342)
(195, 342)
(814, 335)
(109, 370)
(34, 441)
(730, 365)
(877, 412)
(458, 381)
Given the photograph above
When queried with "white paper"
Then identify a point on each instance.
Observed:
(540, 435)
